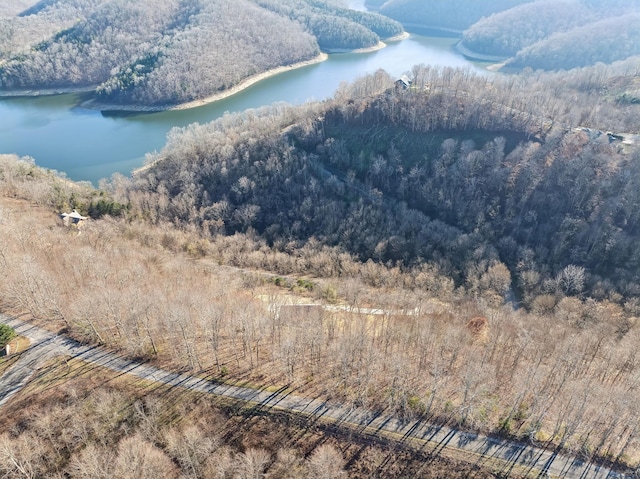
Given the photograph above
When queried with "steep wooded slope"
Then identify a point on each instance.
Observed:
(335, 27)
(557, 35)
(22, 28)
(605, 41)
(9, 9)
(168, 295)
(171, 51)
(458, 170)
(540, 34)
(205, 57)
(507, 32)
(446, 14)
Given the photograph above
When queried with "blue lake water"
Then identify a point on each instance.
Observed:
(88, 145)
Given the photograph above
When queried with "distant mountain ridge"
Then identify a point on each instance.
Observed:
(449, 14)
(539, 34)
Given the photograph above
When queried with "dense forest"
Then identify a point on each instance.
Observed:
(172, 51)
(508, 32)
(22, 28)
(456, 15)
(459, 170)
(557, 35)
(78, 421)
(335, 27)
(491, 224)
(97, 426)
(603, 41)
(440, 206)
(538, 34)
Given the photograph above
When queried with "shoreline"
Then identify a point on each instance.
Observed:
(402, 36)
(47, 91)
(93, 104)
(480, 57)
(379, 46)
(496, 67)
(244, 84)
(438, 31)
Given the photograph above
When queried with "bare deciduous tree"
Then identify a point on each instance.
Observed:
(325, 462)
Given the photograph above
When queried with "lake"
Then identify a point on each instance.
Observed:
(89, 145)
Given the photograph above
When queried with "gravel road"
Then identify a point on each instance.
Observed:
(510, 456)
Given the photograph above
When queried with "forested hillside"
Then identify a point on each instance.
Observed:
(603, 41)
(373, 250)
(22, 28)
(464, 251)
(335, 27)
(171, 51)
(459, 170)
(540, 34)
(442, 14)
(557, 35)
(8, 9)
(507, 32)
(204, 57)
(75, 420)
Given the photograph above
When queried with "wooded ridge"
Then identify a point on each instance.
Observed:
(172, 51)
(494, 170)
(450, 14)
(538, 34)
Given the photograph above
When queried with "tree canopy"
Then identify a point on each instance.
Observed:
(7, 333)
(459, 170)
(605, 41)
(539, 34)
(171, 51)
(446, 14)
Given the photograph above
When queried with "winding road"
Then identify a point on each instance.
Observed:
(509, 457)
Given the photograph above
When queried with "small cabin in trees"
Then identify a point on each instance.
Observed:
(73, 218)
(403, 82)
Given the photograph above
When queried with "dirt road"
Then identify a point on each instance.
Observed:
(509, 457)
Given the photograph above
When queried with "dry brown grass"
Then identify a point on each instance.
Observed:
(19, 344)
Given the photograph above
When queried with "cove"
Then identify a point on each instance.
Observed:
(88, 145)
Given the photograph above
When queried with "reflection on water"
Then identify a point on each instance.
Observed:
(89, 145)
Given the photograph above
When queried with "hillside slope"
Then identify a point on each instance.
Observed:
(173, 51)
(454, 164)
(557, 35)
(392, 219)
(464, 252)
(539, 34)
(507, 32)
(603, 41)
(443, 14)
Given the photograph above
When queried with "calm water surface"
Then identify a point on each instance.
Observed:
(88, 145)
